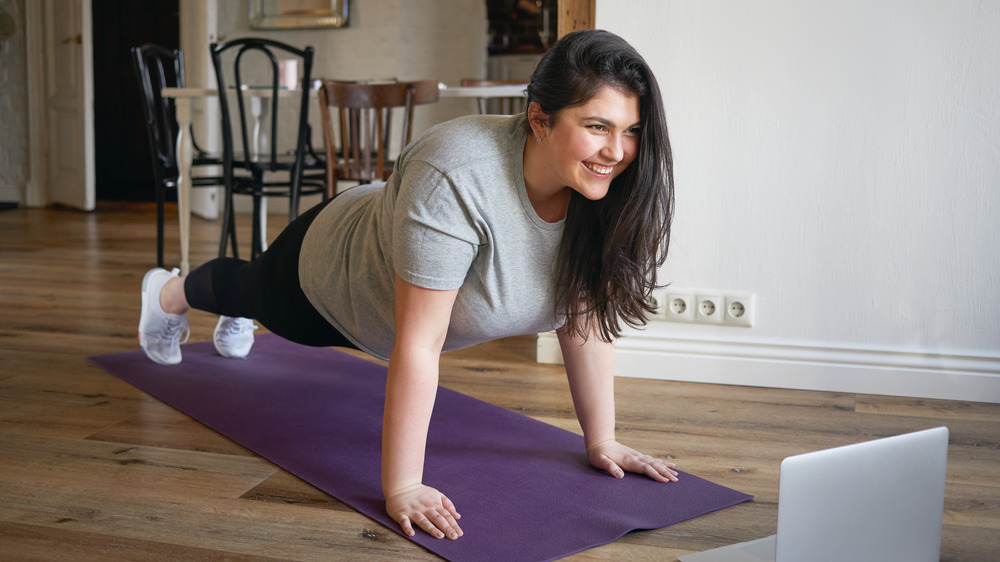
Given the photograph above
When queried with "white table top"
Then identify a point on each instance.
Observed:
(514, 91)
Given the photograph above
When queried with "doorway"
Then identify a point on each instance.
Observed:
(123, 167)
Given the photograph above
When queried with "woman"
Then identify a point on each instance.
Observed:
(489, 226)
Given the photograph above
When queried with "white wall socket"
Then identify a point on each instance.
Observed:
(728, 308)
(740, 310)
(710, 308)
(658, 299)
(679, 307)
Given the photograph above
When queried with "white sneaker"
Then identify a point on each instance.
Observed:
(159, 332)
(234, 337)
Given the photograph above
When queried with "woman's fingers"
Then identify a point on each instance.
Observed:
(450, 506)
(404, 523)
(439, 524)
(612, 467)
(616, 459)
(427, 509)
(660, 471)
(447, 523)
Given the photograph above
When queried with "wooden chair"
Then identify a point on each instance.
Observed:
(157, 67)
(358, 148)
(255, 166)
(497, 106)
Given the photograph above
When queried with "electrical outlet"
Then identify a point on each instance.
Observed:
(709, 309)
(658, 299)
(707, 306)
(680, 307)
(740, 310)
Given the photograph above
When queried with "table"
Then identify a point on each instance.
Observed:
(506, 91)
(182, 103)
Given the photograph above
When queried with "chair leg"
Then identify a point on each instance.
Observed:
(228, 227)
(159, 222)
(256, 245)
(232, 235)
(293, 203)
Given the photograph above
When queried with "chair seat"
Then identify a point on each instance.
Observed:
(246, 185)
(360, 173)
(206, 159)
(283, 162)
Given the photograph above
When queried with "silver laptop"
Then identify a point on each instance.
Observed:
(878, 500)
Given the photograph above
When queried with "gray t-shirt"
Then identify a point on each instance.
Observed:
(454, 215)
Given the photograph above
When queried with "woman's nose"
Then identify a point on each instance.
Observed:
(614, 148)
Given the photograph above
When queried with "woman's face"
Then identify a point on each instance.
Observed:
(591, 144)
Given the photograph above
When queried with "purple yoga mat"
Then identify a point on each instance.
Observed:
(524, 488)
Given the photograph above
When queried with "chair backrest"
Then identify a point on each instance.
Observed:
(357, 148)
(502, 106)
(255, 79)
(156, 68)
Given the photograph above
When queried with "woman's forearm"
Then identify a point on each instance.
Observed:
(409, 401)
(590, 372)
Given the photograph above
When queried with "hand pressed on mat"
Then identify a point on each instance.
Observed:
(428, 508)
(616, 458)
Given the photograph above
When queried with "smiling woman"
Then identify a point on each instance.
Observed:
(489, 226)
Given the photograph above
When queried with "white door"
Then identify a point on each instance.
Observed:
(69, 103)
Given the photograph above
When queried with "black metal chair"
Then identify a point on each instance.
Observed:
(252, 169)
(157, 67)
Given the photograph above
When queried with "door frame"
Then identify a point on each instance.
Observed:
(37, 189)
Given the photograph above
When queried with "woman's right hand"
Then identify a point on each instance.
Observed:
(426, 507)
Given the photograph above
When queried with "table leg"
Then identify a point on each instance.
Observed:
(183, 111)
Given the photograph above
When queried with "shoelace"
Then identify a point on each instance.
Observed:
(239, 327)
(173, 330)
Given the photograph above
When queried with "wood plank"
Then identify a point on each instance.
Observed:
(282, 487)
(22, 543)
(927, 408)
(159, 425)
(33, 464)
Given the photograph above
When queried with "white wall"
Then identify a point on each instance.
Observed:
(842, 161)
(406, 40)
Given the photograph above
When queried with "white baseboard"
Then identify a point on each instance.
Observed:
(951, 376)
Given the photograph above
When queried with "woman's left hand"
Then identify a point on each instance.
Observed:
(616, 458)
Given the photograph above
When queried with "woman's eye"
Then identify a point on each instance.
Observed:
(634, 131)
(600, 128)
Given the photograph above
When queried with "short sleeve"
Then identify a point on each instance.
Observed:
(435, 238)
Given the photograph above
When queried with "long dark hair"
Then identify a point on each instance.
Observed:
(611, 248)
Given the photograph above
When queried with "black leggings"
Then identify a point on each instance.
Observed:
(266, 289)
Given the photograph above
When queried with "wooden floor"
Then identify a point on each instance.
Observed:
(93, 469)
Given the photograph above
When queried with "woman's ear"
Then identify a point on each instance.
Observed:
(538, 119)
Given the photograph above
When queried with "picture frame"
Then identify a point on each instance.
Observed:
(298, 14)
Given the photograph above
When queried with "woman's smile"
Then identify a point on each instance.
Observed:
(600, 171)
